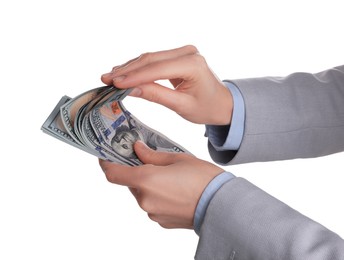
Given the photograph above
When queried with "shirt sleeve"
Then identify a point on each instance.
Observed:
(206, 197)
(224, 141)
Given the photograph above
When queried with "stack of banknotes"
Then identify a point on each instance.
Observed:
(97, 122)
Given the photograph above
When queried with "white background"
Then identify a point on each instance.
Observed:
(55, 202)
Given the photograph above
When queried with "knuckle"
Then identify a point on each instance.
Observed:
(145, 57)
(154, 96)
(199, 59)
(109, 177)
(152, 217)
(165, 225)
(145, 204)
(198, 64)
(191, 48)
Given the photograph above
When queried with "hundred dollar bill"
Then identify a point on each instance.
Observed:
(118, 130)
(70, 109)
(84, 109)
(92, 141)
(55, 127)
(91, 133)
(97, 122)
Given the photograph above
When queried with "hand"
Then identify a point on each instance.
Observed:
(199, 96)
(168, 186)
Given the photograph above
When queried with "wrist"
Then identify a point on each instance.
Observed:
(224, 108)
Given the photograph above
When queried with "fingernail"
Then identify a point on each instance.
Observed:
(119, 79)
(136, 92)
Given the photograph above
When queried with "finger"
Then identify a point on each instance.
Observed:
(124, 64)
(159, 94)
(146, 58)
(151, 57)
(107, 78)
(119, 174)
(187, 68)
(149, 156)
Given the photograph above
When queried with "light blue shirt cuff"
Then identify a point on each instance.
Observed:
(206, 197)
(229, 138)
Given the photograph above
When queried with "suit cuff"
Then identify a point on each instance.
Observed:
(224, 138)
(206, 197)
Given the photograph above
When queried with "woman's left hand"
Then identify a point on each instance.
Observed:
(168, 186)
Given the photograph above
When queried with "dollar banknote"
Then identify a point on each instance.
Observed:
(97, 122)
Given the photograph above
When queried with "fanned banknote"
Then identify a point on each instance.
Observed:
(97, 122)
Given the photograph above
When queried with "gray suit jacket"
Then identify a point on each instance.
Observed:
(298, 116)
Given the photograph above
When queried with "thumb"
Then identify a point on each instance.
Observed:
(149, 156)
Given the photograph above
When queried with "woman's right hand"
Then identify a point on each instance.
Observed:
(198, 95)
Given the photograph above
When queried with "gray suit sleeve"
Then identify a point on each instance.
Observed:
(245, 223)
(298, 116)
